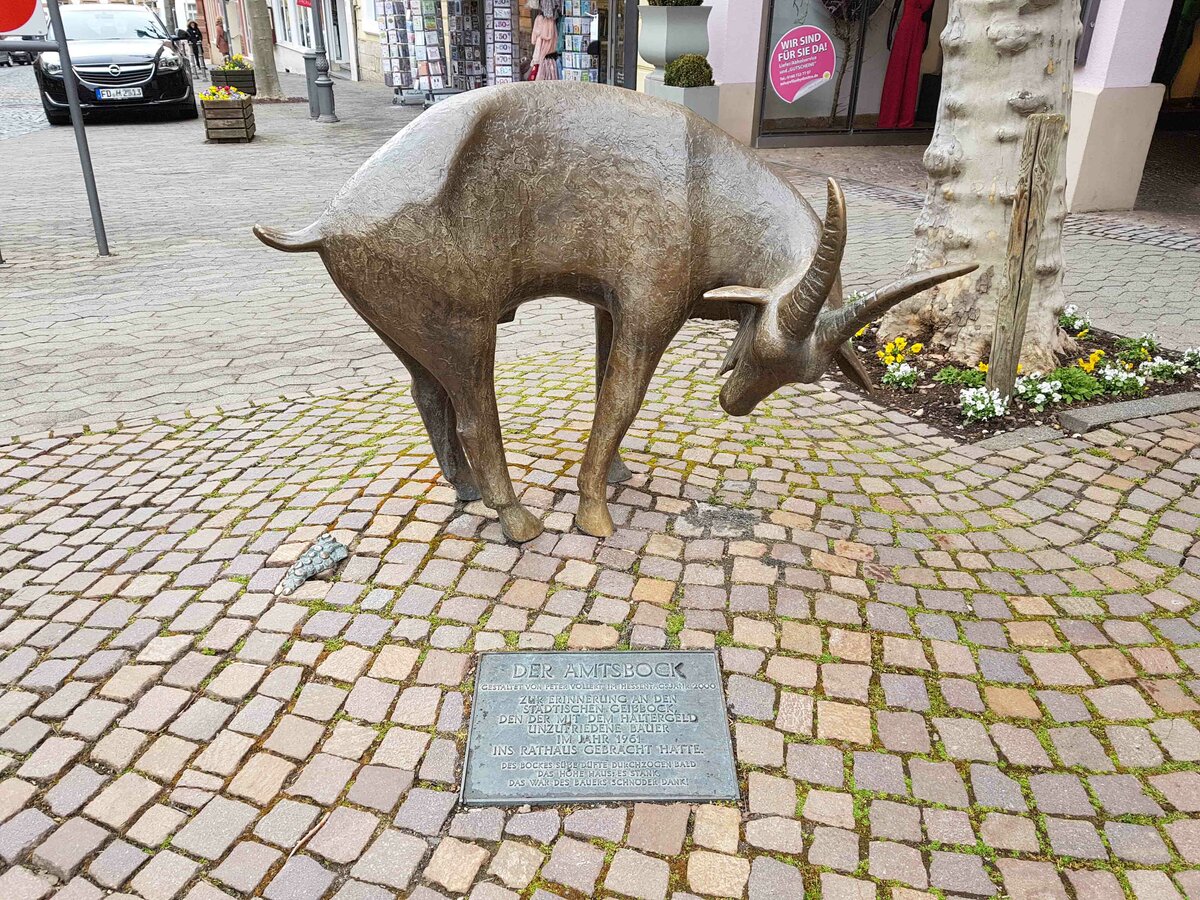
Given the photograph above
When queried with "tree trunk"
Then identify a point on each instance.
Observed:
(847, 32)
(1004, 60)
(262, 49)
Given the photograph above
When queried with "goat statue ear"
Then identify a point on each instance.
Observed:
(738, 293)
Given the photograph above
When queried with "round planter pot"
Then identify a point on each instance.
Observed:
(668, 32)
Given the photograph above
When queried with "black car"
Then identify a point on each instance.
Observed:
(123, 58)
(25, 57)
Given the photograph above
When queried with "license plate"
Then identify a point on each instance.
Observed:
(133, 93)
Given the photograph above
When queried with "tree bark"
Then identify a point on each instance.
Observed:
(262, 49)
(846, 31)
(1003, 61)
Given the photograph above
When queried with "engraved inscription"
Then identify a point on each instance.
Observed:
(554, 727)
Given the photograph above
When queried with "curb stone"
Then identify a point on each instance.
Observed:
(1084, 420)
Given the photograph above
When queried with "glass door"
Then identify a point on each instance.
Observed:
(850, 66)
(335, 37)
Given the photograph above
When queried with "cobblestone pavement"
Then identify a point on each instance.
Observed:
(951, 671)
(192, 310)
(20, 111)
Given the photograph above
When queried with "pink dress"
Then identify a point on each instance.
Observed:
(545, 42)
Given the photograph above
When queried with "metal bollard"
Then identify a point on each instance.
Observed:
(310, 76)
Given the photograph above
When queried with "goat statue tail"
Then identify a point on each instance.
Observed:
(290, 241)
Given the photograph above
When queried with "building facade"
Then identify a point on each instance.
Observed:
(880, 79)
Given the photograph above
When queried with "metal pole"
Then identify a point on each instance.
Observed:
(310, 81)
(85, 156)
(169, 13)
(324, 83)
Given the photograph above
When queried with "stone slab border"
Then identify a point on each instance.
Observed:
(1020, 437)
(1084, 420)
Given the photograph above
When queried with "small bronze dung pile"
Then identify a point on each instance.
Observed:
(323, 556)
(631, 204)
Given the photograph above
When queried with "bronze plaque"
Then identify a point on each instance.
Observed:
(598, 726)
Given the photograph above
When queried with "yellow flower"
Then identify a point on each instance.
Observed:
(1083, 333)
(901, 342)
(1020, 368)
(862, 330)
(917, 348)
(982, 367)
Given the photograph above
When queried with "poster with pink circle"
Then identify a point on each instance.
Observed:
(802, 61)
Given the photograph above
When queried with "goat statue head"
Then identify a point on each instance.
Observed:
(788, 335)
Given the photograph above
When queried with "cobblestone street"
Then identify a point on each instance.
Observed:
(950, 670)
(18, 98)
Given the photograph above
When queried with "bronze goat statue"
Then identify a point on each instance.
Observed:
(628, 203)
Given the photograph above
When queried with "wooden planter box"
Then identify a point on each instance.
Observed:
(242, 79)
(228, 120)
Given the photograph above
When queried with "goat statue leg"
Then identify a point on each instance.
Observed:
(473, 392)
(437, 413)
(631, 365)
(617, 471)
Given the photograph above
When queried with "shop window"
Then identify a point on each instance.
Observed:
(839, 66)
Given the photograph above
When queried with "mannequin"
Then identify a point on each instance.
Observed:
(545, 45)
(898, 102)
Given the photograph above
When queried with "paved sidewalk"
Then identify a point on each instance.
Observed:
(949, 669)
(193, 311)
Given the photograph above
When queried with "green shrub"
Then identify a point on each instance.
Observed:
(960, 377)
(689, 70)
(676, 2)
(1076, 385)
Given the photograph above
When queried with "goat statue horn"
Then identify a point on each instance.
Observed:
(836, 326)
(799, 310)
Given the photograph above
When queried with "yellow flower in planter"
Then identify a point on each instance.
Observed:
(1089, 365)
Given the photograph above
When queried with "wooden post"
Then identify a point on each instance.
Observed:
(1039, 162)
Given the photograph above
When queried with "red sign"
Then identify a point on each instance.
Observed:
(21, 17)
(307, 4)
(802, 61)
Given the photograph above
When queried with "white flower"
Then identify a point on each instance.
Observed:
(979, 404)
(901, 375)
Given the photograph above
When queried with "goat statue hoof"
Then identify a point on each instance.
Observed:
(618, 471)
(519, 524)
(466, 491)
(593, 518)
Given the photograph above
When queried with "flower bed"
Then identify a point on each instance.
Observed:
(910, 377)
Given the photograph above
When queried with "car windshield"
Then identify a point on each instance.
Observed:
(84, 24)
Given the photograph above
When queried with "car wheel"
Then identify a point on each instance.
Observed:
(56, 116)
